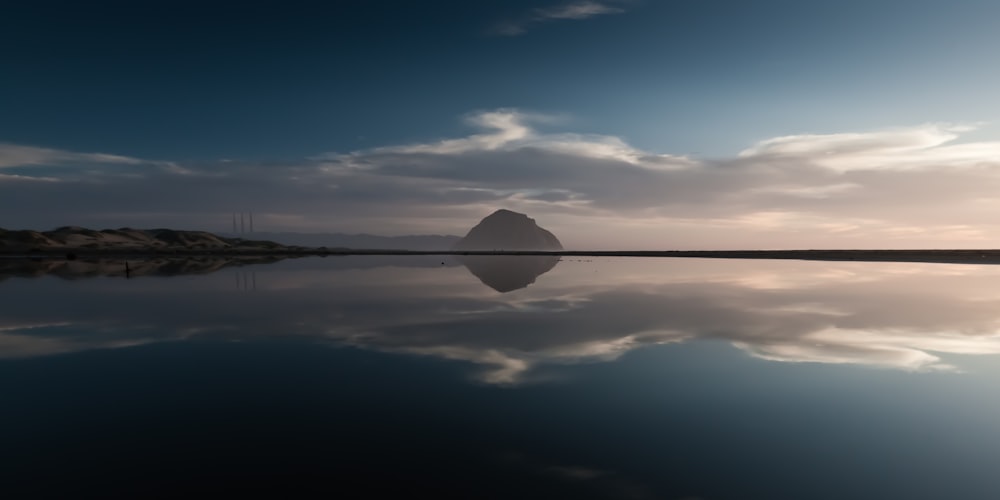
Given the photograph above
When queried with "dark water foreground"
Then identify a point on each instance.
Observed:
(371, 376)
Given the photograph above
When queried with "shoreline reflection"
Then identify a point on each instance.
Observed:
(903, 316)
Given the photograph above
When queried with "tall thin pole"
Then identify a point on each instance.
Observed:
(251, 222)
(234, 222)
(241, 223)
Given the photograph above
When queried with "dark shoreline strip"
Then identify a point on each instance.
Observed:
(929, 256)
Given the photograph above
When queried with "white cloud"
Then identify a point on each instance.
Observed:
(905, 148)
(14, 155)
(510, 130)
(575, 10)
(26, 178)
(505, 127)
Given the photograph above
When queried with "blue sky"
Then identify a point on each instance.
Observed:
(697, 124)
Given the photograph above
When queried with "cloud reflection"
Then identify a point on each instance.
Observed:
(900, 316)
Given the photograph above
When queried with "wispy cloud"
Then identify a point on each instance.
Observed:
(15, 155)
(576, 10)
(30, 163)
(901, 148)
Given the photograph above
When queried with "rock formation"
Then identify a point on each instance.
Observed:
(506, 230)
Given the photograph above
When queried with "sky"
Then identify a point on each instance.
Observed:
(616, 124)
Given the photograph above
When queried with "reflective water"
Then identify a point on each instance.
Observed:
(509, 378)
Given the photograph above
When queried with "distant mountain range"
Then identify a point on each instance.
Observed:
(356, 241)
(83, 239)
(501, 230)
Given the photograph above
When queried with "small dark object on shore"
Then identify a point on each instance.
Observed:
(71, 256)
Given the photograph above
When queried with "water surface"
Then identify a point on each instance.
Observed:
(508, 378)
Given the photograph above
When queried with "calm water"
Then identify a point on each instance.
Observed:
(519, 378)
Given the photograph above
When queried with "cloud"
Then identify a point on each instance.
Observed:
(504, 127)
(14, 155)
(26, 178)
(918, 186)
(510, 130)
(906, 148)
(575, 10)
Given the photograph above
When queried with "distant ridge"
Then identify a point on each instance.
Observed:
(73, 238)
(361, 241)
(508, 230)
(71, 241)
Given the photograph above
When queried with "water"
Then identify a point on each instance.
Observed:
(525, 378)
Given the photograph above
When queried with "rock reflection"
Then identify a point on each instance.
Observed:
(506, 273)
